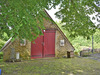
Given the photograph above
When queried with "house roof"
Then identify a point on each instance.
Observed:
(6, 44)
(9, 41)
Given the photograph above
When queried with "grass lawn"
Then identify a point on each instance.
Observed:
(63, 66)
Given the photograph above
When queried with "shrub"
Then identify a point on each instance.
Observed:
(2, 42)
(1, 55)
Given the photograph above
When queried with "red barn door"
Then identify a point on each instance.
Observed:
(49, 43)
(44, 45)
(37, 48)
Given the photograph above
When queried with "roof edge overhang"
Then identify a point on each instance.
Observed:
(6, 44)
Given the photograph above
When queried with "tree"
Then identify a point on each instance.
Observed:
(75, 16)
(24, 18)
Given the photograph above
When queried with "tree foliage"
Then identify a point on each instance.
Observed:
(24, 18)
(75, 16)
(3, 40)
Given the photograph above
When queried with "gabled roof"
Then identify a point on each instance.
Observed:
(9, 41)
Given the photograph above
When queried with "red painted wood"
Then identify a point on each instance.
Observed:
(49, 43)
(44, 45)
(37, 48)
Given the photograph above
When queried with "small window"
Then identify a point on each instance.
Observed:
(22, 42)
(61, 42)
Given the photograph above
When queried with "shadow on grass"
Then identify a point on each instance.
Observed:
(62, 66)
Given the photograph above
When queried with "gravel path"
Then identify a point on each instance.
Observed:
(94, 56)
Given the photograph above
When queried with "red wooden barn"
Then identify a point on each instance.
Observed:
(52, 44)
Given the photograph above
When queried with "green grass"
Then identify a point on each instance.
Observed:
(63, 66)
(1, 60)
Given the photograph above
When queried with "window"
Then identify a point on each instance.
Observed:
(22, 42)
(61, 42)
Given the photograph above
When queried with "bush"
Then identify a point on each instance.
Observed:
(1, 56)
(2, 42)
(1, 60)
(77, 52)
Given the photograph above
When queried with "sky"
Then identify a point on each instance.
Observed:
(52, 12)
(96, 16)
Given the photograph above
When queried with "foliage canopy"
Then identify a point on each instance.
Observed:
(24, 18)
(75, 16)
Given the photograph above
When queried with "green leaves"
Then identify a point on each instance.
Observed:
(74, 15)
(24, 17)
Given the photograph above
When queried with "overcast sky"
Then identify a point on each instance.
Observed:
(52, 12)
